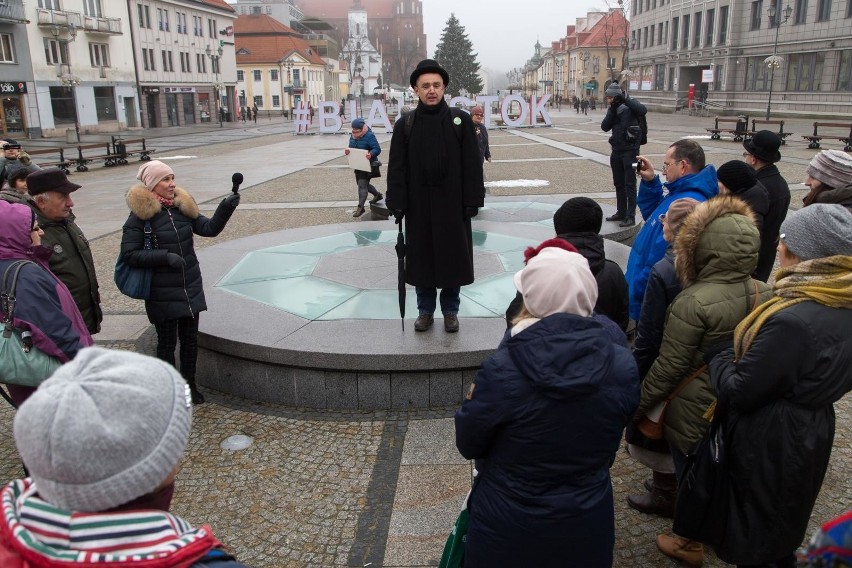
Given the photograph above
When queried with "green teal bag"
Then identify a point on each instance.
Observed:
(453, 554)
(21, 363)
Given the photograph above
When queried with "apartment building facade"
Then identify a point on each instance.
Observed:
(739, 55)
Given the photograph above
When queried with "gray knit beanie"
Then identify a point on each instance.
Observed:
(613, 90)
(106, 428)
(818, 231)
(832, 167)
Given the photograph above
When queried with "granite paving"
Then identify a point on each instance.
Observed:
(363, 488)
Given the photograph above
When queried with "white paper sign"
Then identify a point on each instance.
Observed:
(358, 159)
(706, 75)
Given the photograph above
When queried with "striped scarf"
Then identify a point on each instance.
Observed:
(827, 281)
(39, 531)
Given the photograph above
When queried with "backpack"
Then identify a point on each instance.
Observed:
(409, 123)
(643, 124)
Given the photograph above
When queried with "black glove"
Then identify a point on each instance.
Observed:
(232, 200)
(471, 212)
(175, 260)
(617, 100)
(717, 348)
(398, 214)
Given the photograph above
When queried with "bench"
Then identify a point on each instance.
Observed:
(780, 132)
(54, 153)
(120, 149)
(739, 131)
(815, 138)
(102, 153)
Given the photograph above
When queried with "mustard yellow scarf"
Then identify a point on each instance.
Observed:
(827, 281)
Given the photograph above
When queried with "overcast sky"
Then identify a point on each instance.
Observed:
(504, 33)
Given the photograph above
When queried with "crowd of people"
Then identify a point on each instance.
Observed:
(723, 345)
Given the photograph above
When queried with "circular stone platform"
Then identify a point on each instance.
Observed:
(310, 317)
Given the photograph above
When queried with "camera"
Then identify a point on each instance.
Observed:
(638, 166)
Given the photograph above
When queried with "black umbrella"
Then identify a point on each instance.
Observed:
(400, 255)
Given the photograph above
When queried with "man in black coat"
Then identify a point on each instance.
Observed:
(435, 182)
(622, 118)
(761, 154)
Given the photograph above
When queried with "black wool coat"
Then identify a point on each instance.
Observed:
(175, 292)
(779, 201)
(779, 427)
(439, 246)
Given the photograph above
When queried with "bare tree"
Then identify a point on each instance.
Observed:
(616, 37)
(403, 59)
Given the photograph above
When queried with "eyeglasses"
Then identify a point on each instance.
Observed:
(746, 154)
(662, 218)
(478, 114)
(666, 165)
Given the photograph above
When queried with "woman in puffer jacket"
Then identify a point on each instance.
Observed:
(790, 363)
(715, 252)
(177, 292)
(543, 421)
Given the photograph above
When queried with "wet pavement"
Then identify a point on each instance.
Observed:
(320, 488)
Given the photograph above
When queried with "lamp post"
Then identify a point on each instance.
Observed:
(67, 79)
(558, 79)
(774, 61)
(288, 65)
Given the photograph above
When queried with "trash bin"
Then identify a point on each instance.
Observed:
(70, 136)
(742, 125)
(121, 150)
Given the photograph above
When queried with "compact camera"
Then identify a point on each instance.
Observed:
(638, 166)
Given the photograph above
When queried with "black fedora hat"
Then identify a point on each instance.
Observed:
(429, 66)
(764, 145)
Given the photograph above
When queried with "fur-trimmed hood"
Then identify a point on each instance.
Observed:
(144, 205)
(717, 242)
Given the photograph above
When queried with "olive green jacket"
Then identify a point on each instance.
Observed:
(73, 264)
(715, 253)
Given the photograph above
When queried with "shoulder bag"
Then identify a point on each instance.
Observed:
(134, 281)
(21, 363)
(653, 424)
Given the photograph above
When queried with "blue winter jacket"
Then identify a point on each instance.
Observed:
(650, 246)
(367, 142)
(544, 421)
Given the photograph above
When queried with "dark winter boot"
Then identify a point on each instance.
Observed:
(660, 500)
(197, 397)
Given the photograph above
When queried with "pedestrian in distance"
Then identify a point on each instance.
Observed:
(663, 287)
(585, 106)
(761, 153)
(776, 387)
(177, 292)
(543, 420)
(254, 113)
(72, 260)
(829, 179)
(362, 138)
(576, 102)
(44, 310)
(435, 183)
(622, 119)
(103, 439)
(477, 113)
(687, 175)
(342, 112)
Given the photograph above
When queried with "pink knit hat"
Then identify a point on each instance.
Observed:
(151, 173)
(557, 281)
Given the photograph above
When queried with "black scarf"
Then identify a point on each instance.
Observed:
(428, 143)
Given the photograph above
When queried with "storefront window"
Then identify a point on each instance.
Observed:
(204, 106)
(105, 103)
(188, 108)
(12, 115)
(62, 104)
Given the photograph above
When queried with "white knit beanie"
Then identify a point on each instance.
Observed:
(106, 428)
(557, 281)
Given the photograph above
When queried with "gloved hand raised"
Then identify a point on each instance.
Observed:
(232, 200)
(471, 212)
(175, 260)
(617, 100)
(398, 214)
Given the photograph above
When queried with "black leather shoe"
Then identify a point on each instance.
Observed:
(628, 222)
(451, 323)
(423, 322)
(197, 397)
(616, 217)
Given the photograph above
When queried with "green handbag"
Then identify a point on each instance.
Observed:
(454, 548)
(21, 363)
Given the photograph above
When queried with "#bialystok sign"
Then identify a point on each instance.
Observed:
(515, 112)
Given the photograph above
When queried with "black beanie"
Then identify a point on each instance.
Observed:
(578, 215)
(737, 175)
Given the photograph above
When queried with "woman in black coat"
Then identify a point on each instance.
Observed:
(792, 359)
(543, 421)
(177, 293)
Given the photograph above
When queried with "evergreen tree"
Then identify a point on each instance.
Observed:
(455, 54)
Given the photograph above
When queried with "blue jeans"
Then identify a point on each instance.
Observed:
(450, 300)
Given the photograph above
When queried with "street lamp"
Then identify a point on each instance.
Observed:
(218, 86)
(66, 79)
(288, 65)
(774, 61)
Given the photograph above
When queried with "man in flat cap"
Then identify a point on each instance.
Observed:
(71, 260)
(435, 182)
